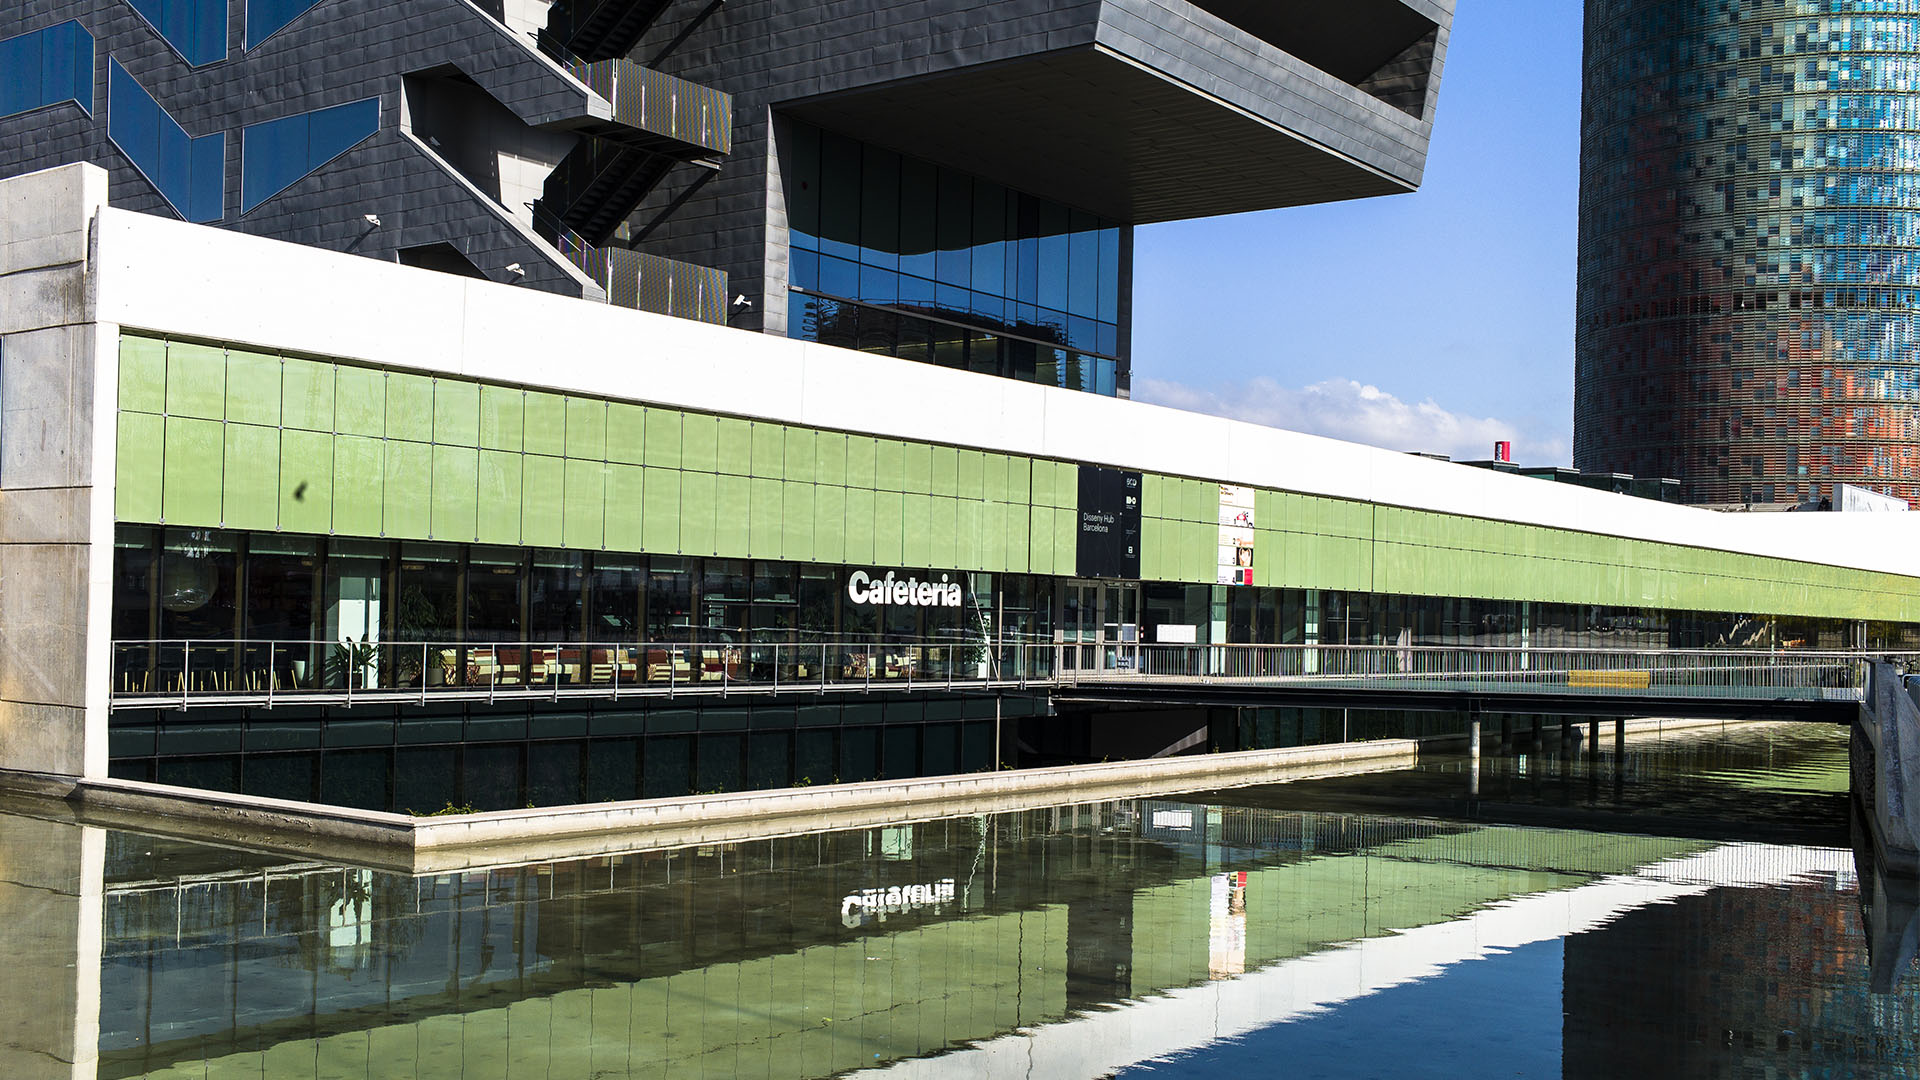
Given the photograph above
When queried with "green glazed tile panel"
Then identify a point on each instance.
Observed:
(253, 388)
(409, 407)
(137, 477)
(306, 481)
(143, 375)
(456, 413)
(456, 494)
(211, 436)
(544, 429)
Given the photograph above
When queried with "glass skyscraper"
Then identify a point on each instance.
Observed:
(1749, 264)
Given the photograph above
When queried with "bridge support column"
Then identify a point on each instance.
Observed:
(1538, 744)
(1473, 741)
(1506, 735)
(1593, 738)
(1619, 739)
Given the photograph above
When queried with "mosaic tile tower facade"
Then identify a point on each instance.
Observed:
(1749, 263)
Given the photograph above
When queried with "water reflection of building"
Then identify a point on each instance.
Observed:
(1735, 983)
(717, 956)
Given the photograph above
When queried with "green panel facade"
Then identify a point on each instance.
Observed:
(210, 436)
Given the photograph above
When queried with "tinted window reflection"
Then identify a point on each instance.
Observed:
(957, 253)
(189, 172)
(46, 67)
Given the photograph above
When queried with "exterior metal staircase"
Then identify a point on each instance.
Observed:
(602, 29)
(659, 121)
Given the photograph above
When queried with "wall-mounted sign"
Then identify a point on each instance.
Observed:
(1236, 535)
(877, 904)
(864, 588)
(1109, 545)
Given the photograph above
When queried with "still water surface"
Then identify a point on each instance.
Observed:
(1702, 917)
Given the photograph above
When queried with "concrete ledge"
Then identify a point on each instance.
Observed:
(416, 845)
(435, 844)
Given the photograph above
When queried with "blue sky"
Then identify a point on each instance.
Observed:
(1437, 321)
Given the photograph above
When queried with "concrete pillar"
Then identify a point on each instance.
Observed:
(59, 375)
(51, 885)
(1619, 740)
(1506, 735)
(1593, 738)
(1473, 741)
(1538, 744)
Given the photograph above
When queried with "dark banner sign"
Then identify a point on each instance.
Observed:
(1109, 523)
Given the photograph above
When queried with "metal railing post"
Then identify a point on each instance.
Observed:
(186, 670)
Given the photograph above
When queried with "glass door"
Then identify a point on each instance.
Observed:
(1079, 632)
(1120, 627)
(1099, 626)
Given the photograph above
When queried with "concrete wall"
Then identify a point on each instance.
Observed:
(51, 889)
(56, 520)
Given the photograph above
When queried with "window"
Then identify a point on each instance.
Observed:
(197, 29)
(276, 154)
(265, 18)
(871, 229)
(46, 67)
(189, 173)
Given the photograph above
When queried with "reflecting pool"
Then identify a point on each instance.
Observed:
(1164, 937)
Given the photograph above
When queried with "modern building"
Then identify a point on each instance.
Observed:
(334, 463)
(303, 523)
(1748, 297)
(946, 181)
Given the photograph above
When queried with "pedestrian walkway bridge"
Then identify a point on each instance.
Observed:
(176, 674)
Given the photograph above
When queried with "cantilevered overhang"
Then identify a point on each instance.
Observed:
(1162, 111)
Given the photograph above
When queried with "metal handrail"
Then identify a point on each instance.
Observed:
(185, 672)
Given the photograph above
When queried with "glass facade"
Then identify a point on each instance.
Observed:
(266, 17)
(260, 608)
(1749, 298)
(46, 67)
(189, 172)
(894, 255)
(276, 154)
(197, 29)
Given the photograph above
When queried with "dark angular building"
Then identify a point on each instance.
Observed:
(1749, 298)
(946, 181)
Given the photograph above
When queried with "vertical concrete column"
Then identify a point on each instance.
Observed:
(1593, 737)
(1619, 739)
(1506, 734)
(1473, 741)
(51, 887)
(56, 486)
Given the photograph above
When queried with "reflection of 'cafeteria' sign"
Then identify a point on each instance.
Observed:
(1236, 535)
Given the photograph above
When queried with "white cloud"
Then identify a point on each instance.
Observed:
(1356, 412)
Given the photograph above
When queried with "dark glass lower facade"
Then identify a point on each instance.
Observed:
(214, 587)
(434, 758)
(250, 610)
